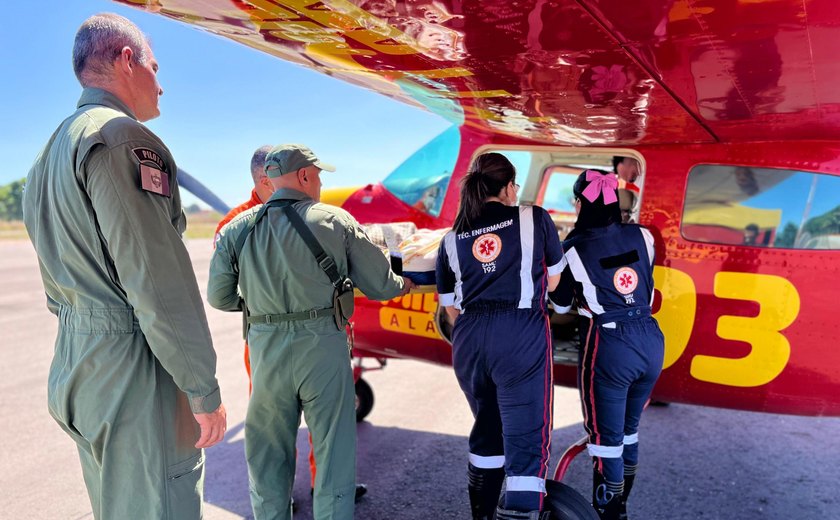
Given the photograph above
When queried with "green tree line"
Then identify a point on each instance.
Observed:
(11, 197)
(826, 224)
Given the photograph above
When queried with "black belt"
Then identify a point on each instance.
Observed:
(292, 316)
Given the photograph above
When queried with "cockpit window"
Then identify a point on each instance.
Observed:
(762, 207)
(421, 181)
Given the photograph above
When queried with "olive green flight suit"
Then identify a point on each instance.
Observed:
(103, 211)
(298, 365)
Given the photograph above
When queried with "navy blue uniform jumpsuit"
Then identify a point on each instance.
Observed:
(608, 275)
(496, 276)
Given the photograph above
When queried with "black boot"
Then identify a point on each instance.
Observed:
(606, 496)
(629, 478)
(485, 485)
(507, 514)
(361, 490)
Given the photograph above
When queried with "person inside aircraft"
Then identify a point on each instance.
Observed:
(626, 203)
(431, 199)
(608, 276)
(751, 235)
(627, 169)
(492, 272)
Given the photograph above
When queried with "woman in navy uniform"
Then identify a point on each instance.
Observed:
(608, 276)
(493, 271)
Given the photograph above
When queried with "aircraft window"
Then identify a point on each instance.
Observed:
(762, 207)
(558, 198)
(522, 162)
(421, 180)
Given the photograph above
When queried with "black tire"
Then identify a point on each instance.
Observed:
(567, 504)
(364, 400)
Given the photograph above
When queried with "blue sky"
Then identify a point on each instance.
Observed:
(221, 101)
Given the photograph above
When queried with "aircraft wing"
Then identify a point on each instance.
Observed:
(573, 72)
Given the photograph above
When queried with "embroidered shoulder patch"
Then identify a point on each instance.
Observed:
(147, 155)
(154, 180)
(153, 175)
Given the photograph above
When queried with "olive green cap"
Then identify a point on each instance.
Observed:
(287, 158)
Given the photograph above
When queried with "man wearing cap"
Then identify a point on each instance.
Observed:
(259, 195)
(299, 357)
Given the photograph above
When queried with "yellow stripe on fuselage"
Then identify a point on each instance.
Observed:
(337, 196)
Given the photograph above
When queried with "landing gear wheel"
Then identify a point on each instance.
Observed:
(567, 504)
(364, 400)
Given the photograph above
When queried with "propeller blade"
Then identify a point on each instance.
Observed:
(194, 186)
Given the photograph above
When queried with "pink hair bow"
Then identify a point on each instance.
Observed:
(601, 184)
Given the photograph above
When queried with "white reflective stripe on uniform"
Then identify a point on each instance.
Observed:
(631, 439)
(447, 300)
(606, 452)
(563, 262)
(496, 461)
(526, 242)
(561, 310)
(452, 255)
(558, 267)
(646, 234)
(579, 272)
(535, 484)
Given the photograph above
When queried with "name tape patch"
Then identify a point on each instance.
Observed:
(146, 155)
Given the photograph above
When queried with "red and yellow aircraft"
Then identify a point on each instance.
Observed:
(731, 108)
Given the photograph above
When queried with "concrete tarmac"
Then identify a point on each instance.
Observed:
(696, 462)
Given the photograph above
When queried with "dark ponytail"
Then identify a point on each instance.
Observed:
(489, 175)
(597, 213)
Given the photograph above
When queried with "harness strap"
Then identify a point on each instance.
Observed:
(324, 260)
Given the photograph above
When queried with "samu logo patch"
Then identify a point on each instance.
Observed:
(487, 247)
(625, 280)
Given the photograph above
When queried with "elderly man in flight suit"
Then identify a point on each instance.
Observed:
(299, 357)
(133, 378)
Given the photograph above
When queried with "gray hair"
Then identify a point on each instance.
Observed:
(100, 40)
(258, 161)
